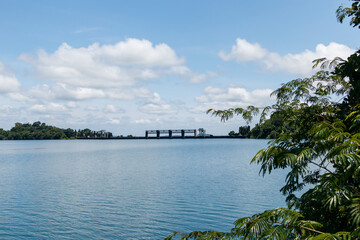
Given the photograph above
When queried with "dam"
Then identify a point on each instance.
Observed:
(169, 133)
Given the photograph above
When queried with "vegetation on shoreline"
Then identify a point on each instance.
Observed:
(40, 131)
(269, 129)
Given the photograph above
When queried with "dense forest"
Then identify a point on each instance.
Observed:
(39, 131)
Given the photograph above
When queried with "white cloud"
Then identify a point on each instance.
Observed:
(244, 51)
(8, 81)
(122, 64)
(193, 76)
(147, 121)
(299, 64)
(48, 108)
(198, 78)
(157, 108)
(142, 121)
(233, 96)
(82, 93)
(139, 52)
(17, 96)
(41, 92)
(128, 93)
(110, 109)
(7, 110)
(114, 121)
(156, 105)
(63, 91)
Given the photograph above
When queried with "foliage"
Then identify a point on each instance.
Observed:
(39, 131)
(352, 12)
(321, 153)
(244, 130)
(233, 133)
(328, 161)
(270, 128)
(350, 70)
(279, 223)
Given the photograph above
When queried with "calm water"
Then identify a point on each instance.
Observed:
(136, 189)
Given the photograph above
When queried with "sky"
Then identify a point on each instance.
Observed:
(131, 66)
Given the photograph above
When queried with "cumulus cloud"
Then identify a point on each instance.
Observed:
(192, 76)
(233, 96)
(244, 51)
(81, 93)
(8, 81)
(65, 92)
(128, 93)
(62, 91)
(157, 108)
(156, 105)
(139, 52)
(17, 96)
(299, 63)
(48, 108)
(101, 66)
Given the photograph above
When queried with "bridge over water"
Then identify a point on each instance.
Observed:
(169, 133)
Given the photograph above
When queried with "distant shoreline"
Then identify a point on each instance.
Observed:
(41, 131)
(163, 137)
(134, 138)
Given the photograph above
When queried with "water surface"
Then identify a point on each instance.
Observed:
(129, 189)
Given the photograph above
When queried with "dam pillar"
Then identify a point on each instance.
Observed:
(170, 133)
(146, 134)
(182, 133)
(195, 133)
(158, 133)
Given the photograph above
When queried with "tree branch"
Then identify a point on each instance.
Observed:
(320, 166)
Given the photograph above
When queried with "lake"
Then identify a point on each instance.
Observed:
(130, 189)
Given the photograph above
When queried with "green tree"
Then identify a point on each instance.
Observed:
(232, 133)
(37, 130)
(244, 130)
(69, 133)
(322, 153)
(352, 12)
(36, 124)
(3, 134)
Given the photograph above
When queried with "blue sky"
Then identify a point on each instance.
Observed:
(128, 66)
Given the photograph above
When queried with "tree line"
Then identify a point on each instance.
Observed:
(40, 131)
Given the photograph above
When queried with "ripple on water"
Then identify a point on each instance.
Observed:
(129, 189)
